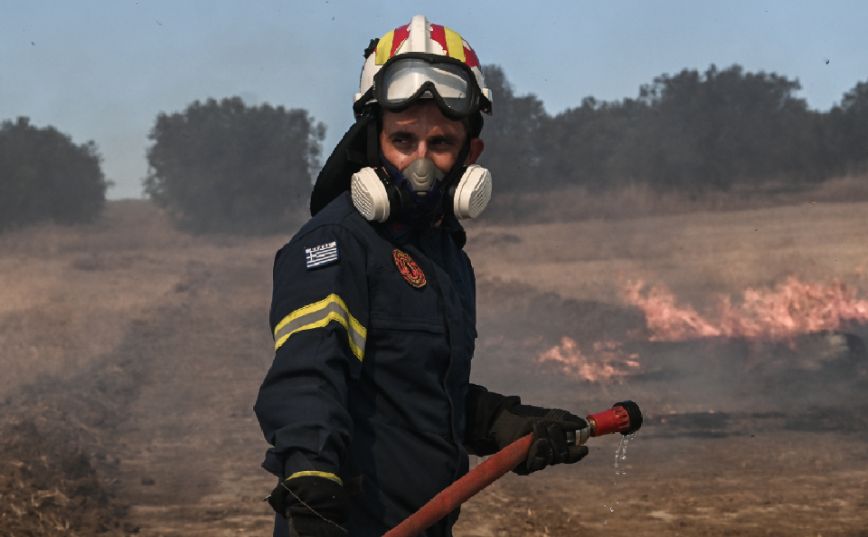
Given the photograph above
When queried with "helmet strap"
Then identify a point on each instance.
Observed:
(453, 175)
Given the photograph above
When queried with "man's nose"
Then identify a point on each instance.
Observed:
(421, 150)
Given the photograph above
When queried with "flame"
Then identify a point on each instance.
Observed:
(608, 361)
(790, 308)
(779, 313)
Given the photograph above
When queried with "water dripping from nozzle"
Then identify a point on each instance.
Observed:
(620, 469)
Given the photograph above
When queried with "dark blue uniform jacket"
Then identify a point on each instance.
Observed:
(371, 373)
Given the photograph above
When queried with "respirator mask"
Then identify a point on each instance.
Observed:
(420, 192)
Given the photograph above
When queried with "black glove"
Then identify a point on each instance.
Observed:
(313, 506)
(549, 427)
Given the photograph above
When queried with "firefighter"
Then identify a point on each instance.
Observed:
(368, 404)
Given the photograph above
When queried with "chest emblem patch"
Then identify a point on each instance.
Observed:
(409, 269)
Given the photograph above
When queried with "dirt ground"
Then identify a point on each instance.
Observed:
(131, 356)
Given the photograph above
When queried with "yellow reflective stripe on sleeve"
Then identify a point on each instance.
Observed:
(305, 310)
(454, 44)
(318, 315)
(313, 473)
(384, 48)
(358, 351)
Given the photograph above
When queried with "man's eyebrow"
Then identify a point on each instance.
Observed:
(445, 137)
(401, 132)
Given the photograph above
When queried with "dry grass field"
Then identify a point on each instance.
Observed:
(131, 354)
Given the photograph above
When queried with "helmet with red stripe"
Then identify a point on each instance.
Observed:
(423, 60)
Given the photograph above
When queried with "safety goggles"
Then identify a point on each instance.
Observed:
(407, 78)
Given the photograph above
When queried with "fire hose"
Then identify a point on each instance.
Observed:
(624, 417)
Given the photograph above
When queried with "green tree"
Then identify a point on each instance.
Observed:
(593, 145)
(848, 129)
(45, 176)
(512, 145)
(713, 129)
(222, 166)
(691, 131)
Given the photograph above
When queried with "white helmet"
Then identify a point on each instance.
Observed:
(423, 60)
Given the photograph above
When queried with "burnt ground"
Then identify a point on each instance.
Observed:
(740, 437)
(132, 440)
(154, 433)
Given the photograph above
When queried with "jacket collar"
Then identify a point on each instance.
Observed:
(402, 233)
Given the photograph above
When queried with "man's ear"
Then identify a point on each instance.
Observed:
(476, 147)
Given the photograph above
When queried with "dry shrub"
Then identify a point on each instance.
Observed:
(843, 189)
(636, 200)
(127, 225)
(49, 485)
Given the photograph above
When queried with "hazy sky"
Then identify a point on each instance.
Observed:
(102, 70)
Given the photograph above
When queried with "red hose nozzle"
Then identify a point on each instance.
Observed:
(624, 417)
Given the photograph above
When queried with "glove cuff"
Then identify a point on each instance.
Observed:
(483, 409)
(316, 502)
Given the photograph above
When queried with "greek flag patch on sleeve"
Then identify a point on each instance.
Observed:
(322, 255)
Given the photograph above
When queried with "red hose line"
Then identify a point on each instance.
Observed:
(624, 417)
(447, 500)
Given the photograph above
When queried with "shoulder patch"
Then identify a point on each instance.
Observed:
(322, 255)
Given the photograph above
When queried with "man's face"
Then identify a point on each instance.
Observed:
(423, 131)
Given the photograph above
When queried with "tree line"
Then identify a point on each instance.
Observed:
(224, 166)
(690, 131)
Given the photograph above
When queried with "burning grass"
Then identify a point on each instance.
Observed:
(789, 312)
(774, 274)
(606, 362)
(790, 308)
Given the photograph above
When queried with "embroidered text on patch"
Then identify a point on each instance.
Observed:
(321, 255)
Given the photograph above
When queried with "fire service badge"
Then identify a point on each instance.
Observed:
(409, 269)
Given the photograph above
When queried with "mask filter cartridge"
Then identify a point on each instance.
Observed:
(369, 195)
(472, 193)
